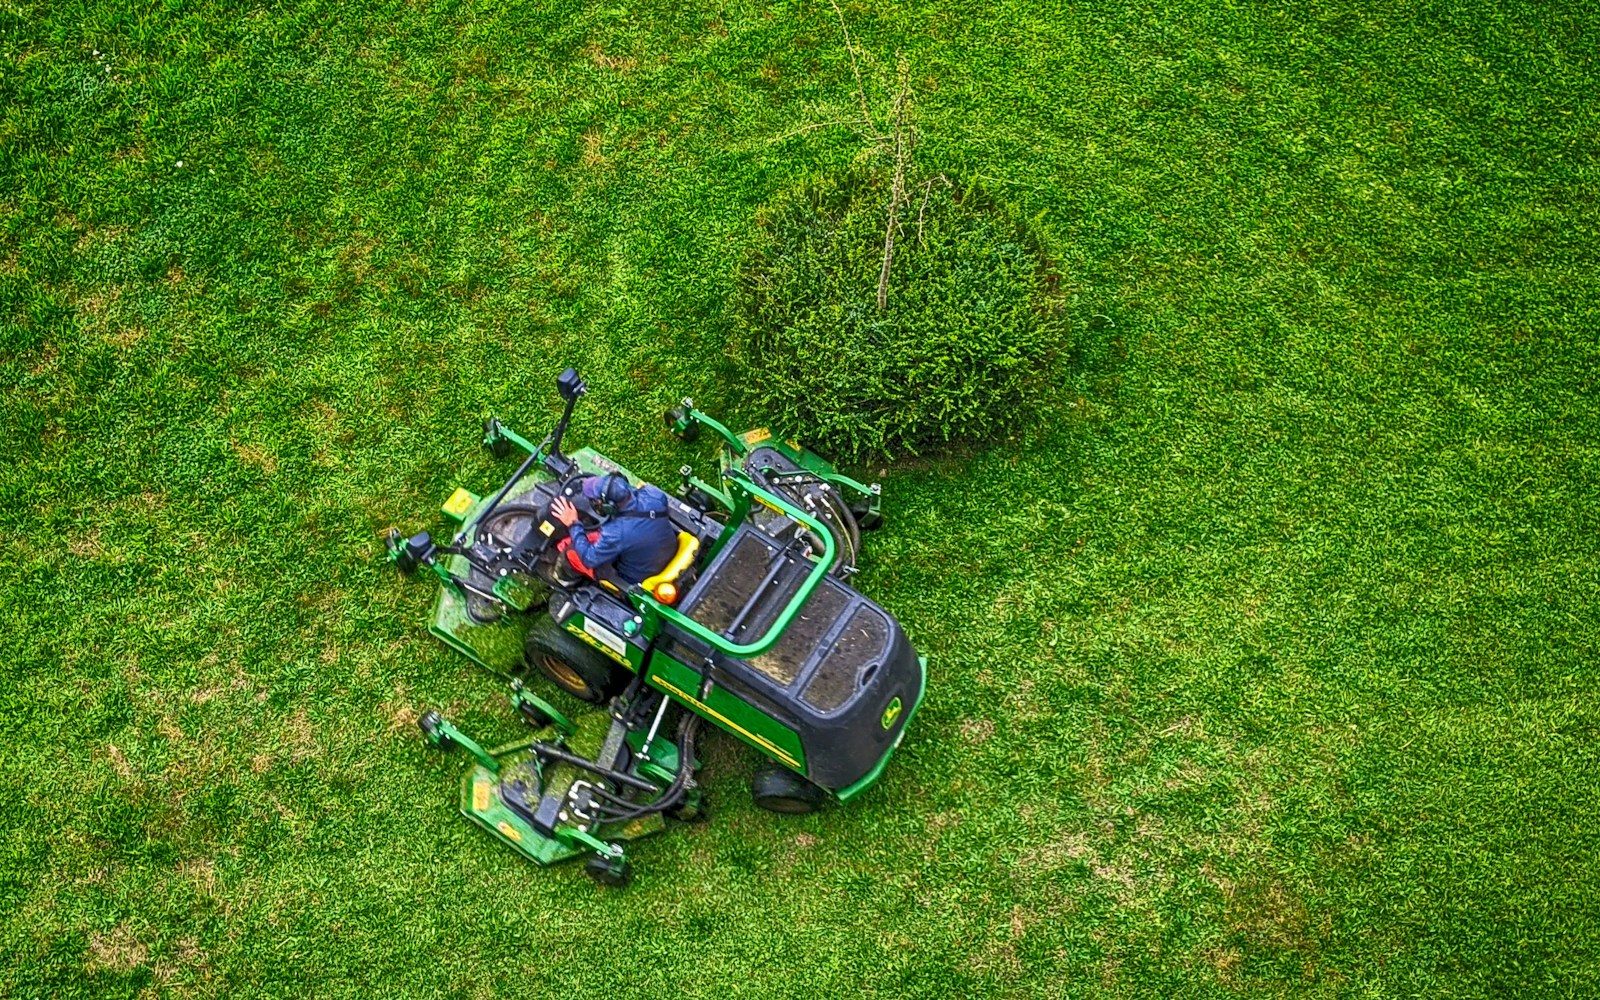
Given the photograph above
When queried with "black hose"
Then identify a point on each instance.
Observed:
(674, 792)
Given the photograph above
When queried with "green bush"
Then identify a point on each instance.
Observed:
(967, 345)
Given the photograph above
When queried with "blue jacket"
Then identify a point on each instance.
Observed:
(638, 544)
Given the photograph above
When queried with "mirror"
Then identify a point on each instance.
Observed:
(570, 385)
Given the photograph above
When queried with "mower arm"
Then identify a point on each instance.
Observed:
(685, 421)
(495, 432)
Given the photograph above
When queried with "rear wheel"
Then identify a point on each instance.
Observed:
(780, 790)
(575, 668)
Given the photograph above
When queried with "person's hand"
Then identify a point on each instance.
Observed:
(563, 511)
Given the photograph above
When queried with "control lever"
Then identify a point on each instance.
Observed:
(706, 679)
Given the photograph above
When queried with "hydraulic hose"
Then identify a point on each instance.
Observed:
(674, 792)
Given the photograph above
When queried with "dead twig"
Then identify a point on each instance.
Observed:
(802, 130)
(897, 189)
(927, 189)
(861, 91)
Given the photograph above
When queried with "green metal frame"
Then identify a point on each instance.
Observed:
(743, 490)
(693, 416)
(739, 445)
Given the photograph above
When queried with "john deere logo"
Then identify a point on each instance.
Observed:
(891, 713)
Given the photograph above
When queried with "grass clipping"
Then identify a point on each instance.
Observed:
(950, 330)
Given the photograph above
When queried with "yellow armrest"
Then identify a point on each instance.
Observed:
(688, 548)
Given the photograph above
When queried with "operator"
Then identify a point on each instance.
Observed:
(636, 541)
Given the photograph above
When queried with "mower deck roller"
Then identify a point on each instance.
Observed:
(753, 629)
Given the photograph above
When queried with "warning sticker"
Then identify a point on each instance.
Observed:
(605, 637)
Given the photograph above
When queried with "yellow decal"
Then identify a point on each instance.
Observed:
(597, 644)
(891, 713)
(546, 528)
(756, 436)
(766, 744)
(459, 503)
(511, 832)
(763, 501)
(480, 796)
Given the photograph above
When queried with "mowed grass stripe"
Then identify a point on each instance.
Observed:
(1261, 661)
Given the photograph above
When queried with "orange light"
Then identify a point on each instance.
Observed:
(667, 593)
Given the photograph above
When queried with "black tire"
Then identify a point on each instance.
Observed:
(780, 790)
(692, 809)
(837, 518)
(404, 564)
(615, 873)
(671, 419)
(582, 672)
(846, 532)
(699, 499)
(534, 717)
(429, 724)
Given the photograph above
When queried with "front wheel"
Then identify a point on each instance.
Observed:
(613, 872)
(432, 728)
(692, 809)
(498, 446)
(399, 556)
(580, 671)
(677, 417)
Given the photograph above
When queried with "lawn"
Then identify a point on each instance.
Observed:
(1261, 661)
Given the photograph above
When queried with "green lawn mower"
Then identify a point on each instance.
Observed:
(751, 627)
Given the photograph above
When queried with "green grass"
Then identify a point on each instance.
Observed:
(1261, 663)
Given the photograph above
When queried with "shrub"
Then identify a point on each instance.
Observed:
(966, 346)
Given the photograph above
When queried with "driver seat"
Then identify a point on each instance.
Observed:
(683, 559)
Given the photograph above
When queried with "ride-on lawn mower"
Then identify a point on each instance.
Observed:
(752, 626)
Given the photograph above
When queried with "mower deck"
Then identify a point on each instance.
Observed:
(501, 804)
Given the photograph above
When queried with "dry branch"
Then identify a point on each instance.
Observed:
(855, 68)
(897, 189)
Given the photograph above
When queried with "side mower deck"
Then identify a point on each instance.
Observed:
(573, 788)
(509, 805)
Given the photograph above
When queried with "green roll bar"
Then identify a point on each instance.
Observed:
(744, 490)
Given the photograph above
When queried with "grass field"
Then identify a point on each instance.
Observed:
(1261, 663)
